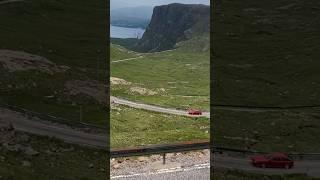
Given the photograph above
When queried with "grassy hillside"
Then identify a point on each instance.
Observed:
(179, 78)
(265, 54)
(56, 160)
(288, 131)
(68, 33)
(118, 52)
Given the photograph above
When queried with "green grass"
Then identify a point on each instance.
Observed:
(67, 32)
(24, 95)
(132, 127)
(72, 30)
(71, 165)
(266, 57)
(179, 72)
(118, 52)
(224, 174)
(287, 131)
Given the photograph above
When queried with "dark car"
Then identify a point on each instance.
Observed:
(275, 160)
(194, 112)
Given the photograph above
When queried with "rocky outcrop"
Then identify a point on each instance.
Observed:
(174, 23)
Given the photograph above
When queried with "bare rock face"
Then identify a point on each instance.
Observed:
(173, 23)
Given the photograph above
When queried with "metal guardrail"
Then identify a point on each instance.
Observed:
(51, 118)
(160, 149)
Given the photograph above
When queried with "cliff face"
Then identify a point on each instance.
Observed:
(173, 23)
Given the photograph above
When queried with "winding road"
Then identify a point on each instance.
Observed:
(155, 108)
(68, 134)
(44, 128)
(129, 59)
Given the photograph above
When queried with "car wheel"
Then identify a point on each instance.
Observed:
(263, 165)
(286, 166)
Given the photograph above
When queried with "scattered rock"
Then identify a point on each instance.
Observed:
(142, 159)
(162, 90)
(286, 7)
(67, 149)
(48, 152)
(31, 152)
(26, 163)
(118, 81)
(142, 91)
(102, 170)
(91, 166)
(34, 84)
(54, 149)
(116, 166)
(2, 158)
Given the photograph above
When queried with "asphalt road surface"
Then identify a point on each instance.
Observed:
(199, 172)
(155, 108)
(310, 167)
(65, 133)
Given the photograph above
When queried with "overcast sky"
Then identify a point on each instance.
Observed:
(133, 3)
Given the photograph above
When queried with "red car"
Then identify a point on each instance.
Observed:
(275, 160)
(194, 112)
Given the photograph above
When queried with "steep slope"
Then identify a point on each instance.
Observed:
(266, 55)
(46, 48)
(174, 23)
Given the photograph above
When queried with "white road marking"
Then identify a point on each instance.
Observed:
(163, 171)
